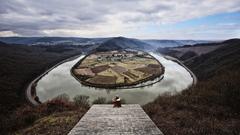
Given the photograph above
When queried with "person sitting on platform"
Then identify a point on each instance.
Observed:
(116, 101)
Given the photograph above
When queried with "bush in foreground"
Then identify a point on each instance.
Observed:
(100, 100)
(81, 100)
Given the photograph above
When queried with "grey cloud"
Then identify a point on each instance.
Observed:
(26, 17)
(155, 9)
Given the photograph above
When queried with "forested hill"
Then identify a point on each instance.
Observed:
(19, 65)
(224, 58)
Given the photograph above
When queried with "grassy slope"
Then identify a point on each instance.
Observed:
(58, 123)
(52, 118)
(19, 65)
(212, 106)
(224, 58)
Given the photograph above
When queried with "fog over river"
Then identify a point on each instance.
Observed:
(59, 81)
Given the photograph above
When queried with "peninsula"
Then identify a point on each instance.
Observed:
(114, 69)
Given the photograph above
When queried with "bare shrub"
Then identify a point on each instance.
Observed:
(100, 100)
(81, 100)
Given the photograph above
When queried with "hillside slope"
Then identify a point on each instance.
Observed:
(155, 43)
(226, 57)
(19, 65)
(173, 43)
(119, 43)
(52, 40)
(210, 107)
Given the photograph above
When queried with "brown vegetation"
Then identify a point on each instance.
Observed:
(55, 117)
(20, 64)
(211, 107)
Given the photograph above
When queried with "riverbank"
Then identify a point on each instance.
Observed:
(180, 63)
(30, 91)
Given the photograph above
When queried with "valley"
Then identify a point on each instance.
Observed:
(215, 65)
(120, 67)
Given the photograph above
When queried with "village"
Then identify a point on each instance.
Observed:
(121, 55)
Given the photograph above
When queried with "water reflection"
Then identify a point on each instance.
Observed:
(60, 80)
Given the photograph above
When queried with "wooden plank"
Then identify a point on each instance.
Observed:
(105, 120)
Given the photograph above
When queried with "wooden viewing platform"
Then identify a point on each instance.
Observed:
(105, 120)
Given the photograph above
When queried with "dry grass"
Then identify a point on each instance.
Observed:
(55, 124)
(212, 107)
(54, 117)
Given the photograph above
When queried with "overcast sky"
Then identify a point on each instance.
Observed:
(146, 19)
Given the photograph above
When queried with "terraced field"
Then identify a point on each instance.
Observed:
(117, 68)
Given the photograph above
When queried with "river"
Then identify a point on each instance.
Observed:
(59, 81)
